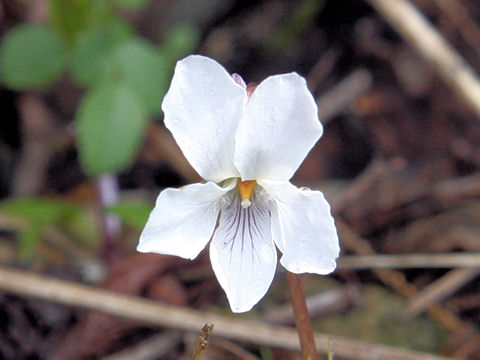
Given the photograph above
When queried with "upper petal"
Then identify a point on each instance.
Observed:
(302, 228)
(242, 252)
(279, 126)
(202, 109)
(183, 220)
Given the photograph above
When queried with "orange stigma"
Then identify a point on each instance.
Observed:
(246, 188)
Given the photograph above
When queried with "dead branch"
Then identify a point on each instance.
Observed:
(320, 304)
(460, 17)
(447, 260)
(38, 130)
(151, 312)
(341, 96)
(150, 349)
(396, 280)
(433, 48)
(439, 290)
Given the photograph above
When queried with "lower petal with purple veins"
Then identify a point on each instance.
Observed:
(242, 251)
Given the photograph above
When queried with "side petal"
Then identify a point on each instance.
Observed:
(242, 252)
(302, 228)
(183, 220)
(279, 126)
(202, 109)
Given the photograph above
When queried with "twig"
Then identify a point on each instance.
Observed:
(459, 16)
(396, 280)
(155, 313)
(343, 94)
(38, 130)
(89, 265)
(434, 49)
(322, 303)
(356, 188)
(449, 191)
(231, 348)
(150, 349)
(322, 68)
(447, 260)
(439, 290)
(162, 146)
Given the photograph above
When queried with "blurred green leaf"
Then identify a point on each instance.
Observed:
(68, 17)
(92, 48)
(31, 57)
(131, 4)
(133, 214)
(39, 210)
(83, 228)
(141, 67)
(119, 31)
(179, 41)
(110, 122)
(28, 241)
(89, 56)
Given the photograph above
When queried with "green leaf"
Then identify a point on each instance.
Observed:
(119, 31)
(91, 52)
(110, 123)
(68, 17)
(31, 57)
(28, 240)
(131, 4)
(141, 67)
(89, 56)
(133, 214)
(39, 210)
(179, 41)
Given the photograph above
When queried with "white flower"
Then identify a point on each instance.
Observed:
(246, 146)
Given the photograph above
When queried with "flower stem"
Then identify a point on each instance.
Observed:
(302, 318)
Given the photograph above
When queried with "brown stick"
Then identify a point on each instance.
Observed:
(302, 318)
(410, 261)
(396, 280)
(439, 290)
(155, 313)
(340, 97)
(434, 49)
(460, 17)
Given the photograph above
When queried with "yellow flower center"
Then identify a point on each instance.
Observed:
(245, 189)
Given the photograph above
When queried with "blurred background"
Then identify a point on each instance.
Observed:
(84, 153)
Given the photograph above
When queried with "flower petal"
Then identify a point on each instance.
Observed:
(243, 254)
(183, 220)
(302, 228)
(202, 109)
(278, 128)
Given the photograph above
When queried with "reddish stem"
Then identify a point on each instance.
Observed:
(302, 318)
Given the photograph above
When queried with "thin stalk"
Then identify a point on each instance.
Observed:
(107, 191)
(302, 318)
